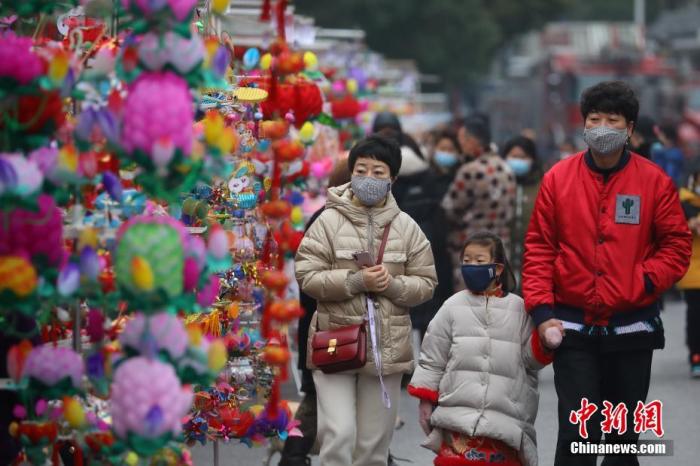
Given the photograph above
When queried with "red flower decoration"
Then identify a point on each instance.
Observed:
(97, 440)
(36, 432)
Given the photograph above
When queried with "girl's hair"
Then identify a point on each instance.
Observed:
(498, 254)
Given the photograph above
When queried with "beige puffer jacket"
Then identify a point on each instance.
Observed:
(479, 362)
(326, 271)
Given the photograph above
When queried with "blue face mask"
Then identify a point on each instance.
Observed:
(520, 167)
(445, 159)
(478, 278)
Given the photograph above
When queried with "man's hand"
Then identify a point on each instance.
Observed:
(425, 410)
(376, 278)
(694, 224)
(542, 331)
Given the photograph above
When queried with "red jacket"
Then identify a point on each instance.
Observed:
(607, 244)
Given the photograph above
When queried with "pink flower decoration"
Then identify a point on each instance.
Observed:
(34, 233)
(180, 8)
(147, 399)
(17, 59)
(51, 365)
(158, 107)
(41, 407)
(19, 411)
(165, 332)
(208, 294)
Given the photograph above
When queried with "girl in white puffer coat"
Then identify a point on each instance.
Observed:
(477, 373)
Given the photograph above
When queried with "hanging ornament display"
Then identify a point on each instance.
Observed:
(153, 179)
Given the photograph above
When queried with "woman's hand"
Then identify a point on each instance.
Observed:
(425, 410)
(376, 278)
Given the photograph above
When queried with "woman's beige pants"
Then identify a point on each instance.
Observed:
(354, 427)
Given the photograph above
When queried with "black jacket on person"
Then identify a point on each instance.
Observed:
(309, 305)
(418, 191)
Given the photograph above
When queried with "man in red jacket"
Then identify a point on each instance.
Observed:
(607, 237)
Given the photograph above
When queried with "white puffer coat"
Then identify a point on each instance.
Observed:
(479, 363)
(326, 271)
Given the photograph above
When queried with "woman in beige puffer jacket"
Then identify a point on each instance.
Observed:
(478, 370)
(354, 425)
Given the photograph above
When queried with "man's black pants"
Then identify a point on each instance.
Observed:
(618, 377)
(692, 297)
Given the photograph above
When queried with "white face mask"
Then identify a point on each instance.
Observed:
(445, 159)
(520, 167)
(604, 140)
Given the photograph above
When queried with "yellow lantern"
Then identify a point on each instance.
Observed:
(306, 133)
(310, 61)
(266, 61)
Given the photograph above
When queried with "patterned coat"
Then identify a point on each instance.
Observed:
(481, 197)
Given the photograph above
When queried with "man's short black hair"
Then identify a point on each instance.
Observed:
(386, 120)
(610, 97)
(380, 148)
(478, 126)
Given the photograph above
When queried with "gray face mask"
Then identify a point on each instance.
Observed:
(604, 140)
(370, 191)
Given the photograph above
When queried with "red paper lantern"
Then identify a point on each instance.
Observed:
(289, 63)
(274, 280)
(276, 355)
(274, 129)
(287, 150)
(286, 311)
(348, 107)
(303, 98)
(288, 238)
(276, 209)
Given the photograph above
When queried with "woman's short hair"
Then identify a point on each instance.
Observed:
(450, 135)
(377, 147)
(610, 97)
(526, 144)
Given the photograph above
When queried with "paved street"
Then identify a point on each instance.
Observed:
(670, 384)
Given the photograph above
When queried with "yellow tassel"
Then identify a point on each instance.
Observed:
(212, 325)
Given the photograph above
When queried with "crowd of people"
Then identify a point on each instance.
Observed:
(445, 237)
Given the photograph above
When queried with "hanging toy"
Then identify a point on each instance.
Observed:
(244, 190)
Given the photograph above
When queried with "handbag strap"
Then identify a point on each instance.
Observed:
(382, 245)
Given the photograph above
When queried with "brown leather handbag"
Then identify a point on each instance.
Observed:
(344, 348)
